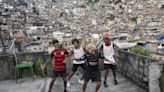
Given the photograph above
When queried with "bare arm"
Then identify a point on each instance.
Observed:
(116, 47)
(49, 60)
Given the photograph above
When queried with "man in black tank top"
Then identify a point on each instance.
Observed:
(92, 70)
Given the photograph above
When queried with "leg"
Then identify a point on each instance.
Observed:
(114, 75)
(85, 86)
(83, 66)
(70, 76)
(97, 78)
(86, 80)
(65, 82)
(74, 69)
(64, 77)
(51, 84)
(54, 75)
(98, 86)
(82, 77)
(105, 77)
(106, 74)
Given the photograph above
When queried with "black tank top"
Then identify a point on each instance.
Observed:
(92, 60)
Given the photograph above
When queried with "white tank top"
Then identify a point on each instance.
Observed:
(78, 53)
(108, 52)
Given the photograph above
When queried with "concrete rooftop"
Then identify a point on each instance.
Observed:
(41, 85)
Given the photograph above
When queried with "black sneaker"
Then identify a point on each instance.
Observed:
(105, 84)
(115, 82)
(65, 90)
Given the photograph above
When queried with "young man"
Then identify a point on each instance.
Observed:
(109, 51)
(78, 52)
(58, 55)
(92, 69)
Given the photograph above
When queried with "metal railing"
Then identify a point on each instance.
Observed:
(12, 50)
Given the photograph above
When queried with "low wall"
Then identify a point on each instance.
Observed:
(156, 77)
(33, 56)
(7, 63)
(6, 67)
(141, 70)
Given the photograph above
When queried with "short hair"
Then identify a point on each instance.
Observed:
(55, 41)
(75, 40)
(91, 45)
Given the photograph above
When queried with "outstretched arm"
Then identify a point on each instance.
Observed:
(49, 60)
(116, 47)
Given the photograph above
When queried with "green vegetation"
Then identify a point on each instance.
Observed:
(39, 63)
(61, 14)
(92, 1)
(82, 6)
(140, 51)
(134, 19)
(111, 17)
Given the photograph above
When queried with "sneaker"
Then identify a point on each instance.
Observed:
(115, 82)
(81, 81)
(105, 84)
(49, 90)
(65, 90)
(68, 84)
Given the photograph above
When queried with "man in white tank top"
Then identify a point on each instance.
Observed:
(78, 53)
(109, 51)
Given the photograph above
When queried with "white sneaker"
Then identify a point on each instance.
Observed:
(68, 84)
(81, 81)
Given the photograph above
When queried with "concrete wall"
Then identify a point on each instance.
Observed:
(156, 77)
(7, 63)
(141, 70)
(162, 78)
(6, 66)
(32, 56)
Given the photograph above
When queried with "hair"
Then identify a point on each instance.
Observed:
(75, 40)
(91, 45)
(55, 41)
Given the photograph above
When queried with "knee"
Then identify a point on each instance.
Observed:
(107, 70)
(73, 71)
(85, 84)
(53, 79)
(99, 83)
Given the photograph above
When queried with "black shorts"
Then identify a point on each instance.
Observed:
(109, 66)
(93, 75)
(61, 73)
(75, 66)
